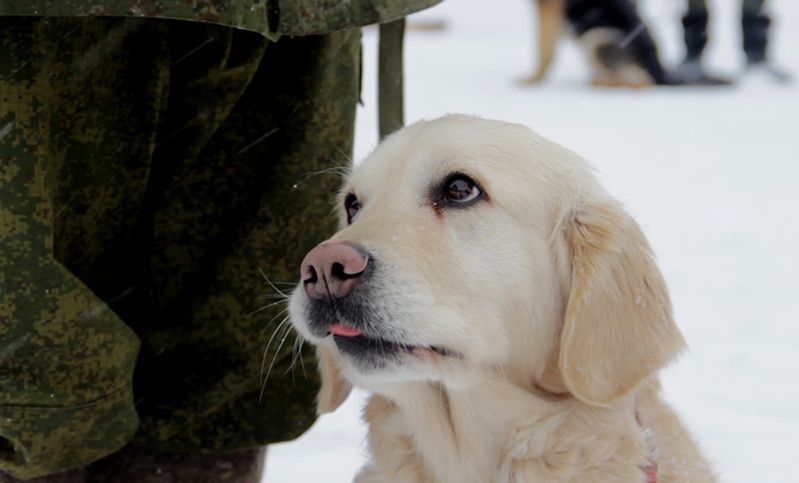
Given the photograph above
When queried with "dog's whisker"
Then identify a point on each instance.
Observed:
(283, 322)
(296, 352)
(302, 359)
(265, 377)
(286, 333)
(274, 287)
(346, 156)
(267, 325)
(271, 296)
(261, 309)
(290, 368)
(269, 343)
(340, 171)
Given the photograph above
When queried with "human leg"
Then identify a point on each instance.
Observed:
(694, 24)
(755, 23)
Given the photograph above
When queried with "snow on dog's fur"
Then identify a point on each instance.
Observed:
(510, 320)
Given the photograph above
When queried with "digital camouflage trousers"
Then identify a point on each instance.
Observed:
(150, 170)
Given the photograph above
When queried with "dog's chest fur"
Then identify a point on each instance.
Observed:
(500, 434)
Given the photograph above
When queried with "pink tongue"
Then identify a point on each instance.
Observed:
(344, 331)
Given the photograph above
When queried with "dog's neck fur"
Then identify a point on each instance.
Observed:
(458, 426)
(481, 433)
(499, 432)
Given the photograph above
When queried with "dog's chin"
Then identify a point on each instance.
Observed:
(369, 361)
(373, 350)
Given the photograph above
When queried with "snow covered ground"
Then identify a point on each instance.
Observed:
(711, 175)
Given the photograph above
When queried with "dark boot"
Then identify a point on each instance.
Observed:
(695, 35)
(142, 466)
(755, 27)
(690, 71)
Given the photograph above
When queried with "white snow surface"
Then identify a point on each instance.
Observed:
(710, 174)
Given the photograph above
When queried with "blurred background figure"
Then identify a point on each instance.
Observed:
(617, 44)
(755, 23)
(611, 34)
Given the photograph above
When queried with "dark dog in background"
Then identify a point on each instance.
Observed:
(615, 39)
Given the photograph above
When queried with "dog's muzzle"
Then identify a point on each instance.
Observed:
(338, 278)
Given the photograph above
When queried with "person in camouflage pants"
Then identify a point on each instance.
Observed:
(151, 167)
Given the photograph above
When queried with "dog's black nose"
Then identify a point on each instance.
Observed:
(333, 269)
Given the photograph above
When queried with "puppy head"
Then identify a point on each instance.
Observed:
(470, 249)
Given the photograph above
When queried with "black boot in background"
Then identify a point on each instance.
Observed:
(755, 28)
(694, 26)
(690, 71)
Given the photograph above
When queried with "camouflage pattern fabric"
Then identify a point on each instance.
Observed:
(271, 18)
(149, 170)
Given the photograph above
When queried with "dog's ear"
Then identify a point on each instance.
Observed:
(618, 326)
(335, 388)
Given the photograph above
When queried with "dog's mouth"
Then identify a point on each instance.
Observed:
(352, 341)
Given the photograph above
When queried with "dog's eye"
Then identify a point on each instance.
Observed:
(352, 206)
(461, 189)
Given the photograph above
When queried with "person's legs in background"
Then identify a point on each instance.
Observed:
(755, 30)
(695, 22)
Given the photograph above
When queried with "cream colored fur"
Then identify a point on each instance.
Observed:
(623, 73)
(548, 292)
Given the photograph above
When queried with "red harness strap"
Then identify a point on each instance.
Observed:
(651, 469)
(651, 473)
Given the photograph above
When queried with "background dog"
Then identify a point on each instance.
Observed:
(505, 311)
(613, 36)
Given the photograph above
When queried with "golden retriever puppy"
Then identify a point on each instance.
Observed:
(503, 309)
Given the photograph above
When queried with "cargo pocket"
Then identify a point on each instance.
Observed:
(66, 367)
